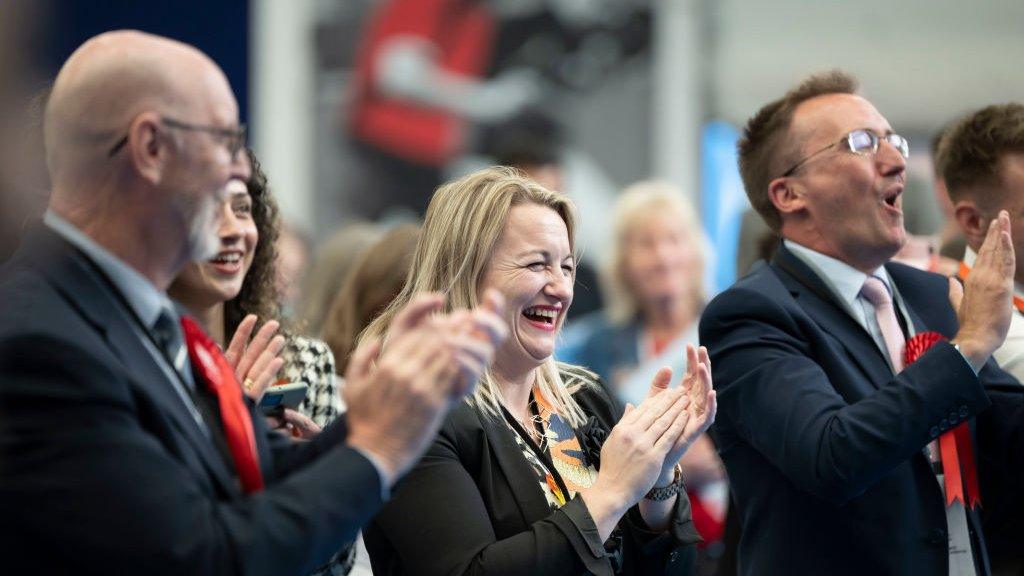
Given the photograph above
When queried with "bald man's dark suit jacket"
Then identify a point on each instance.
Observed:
(104, 471)
(823, 444)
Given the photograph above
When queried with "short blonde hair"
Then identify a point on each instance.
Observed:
(633, 210)
(464, 221)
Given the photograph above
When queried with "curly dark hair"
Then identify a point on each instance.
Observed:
(259, 292)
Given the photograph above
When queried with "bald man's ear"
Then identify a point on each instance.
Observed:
(786, 196)
(147, 147)
(972, 221)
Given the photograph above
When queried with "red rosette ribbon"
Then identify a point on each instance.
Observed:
(955, 446)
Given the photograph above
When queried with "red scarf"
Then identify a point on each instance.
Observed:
(220, 379)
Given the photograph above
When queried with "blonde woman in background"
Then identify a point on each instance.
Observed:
(653, 282)
(539, 472)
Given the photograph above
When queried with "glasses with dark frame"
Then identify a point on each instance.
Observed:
(234, 138)
(861, 142)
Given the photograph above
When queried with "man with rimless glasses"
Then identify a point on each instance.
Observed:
(844, 379)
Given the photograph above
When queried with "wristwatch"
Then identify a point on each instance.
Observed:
(666, 492)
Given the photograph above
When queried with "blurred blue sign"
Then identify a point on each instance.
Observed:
(722, 200)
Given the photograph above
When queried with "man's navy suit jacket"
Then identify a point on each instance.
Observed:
(824, 445)
(103, 470)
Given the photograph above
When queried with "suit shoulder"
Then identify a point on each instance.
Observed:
(761, 288)
(29, 300)
(462, 424)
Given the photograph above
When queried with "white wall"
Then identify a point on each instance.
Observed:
(921, 62)
(282, 102)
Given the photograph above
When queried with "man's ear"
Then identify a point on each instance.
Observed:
(786, 196)
(147, 147)
(972, 221)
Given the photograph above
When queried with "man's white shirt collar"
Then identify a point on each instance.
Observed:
(844, 280)
(145, 299)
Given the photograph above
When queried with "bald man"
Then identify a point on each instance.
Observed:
(117, 454)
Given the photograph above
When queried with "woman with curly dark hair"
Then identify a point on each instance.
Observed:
(236, 287)
(239, 281)
(258, 293)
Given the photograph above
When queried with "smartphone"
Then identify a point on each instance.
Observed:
(281, 396)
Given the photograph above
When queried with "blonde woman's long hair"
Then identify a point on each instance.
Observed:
(463, 223)
(633, 210)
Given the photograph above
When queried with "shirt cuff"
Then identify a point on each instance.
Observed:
(968, 362)
(385, 490)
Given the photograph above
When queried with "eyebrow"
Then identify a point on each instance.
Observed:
(543, 254)
(887, 132)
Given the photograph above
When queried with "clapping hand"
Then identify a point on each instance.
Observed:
(256, 362)
(636, 447)
(984, 304)
(477, 334)
(398, 395)
(701, 409)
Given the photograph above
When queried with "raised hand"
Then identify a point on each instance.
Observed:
(398, 396)
(985, 307)
(697, 380)
(256, 362)
(701, 409)
(477, 335)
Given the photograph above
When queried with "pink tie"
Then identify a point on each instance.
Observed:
(876, 292)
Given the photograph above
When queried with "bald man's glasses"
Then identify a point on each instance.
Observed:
(233, 138)
(862, 142)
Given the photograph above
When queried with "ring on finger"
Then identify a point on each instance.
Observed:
(248, 384)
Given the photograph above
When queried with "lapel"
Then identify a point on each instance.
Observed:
(89, 292)
(819, 302)
(519, 475)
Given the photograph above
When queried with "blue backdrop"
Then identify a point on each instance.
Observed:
(220, 29)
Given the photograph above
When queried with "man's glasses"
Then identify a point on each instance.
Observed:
(862, 142)
(233, 138)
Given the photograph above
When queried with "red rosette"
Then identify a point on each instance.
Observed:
(920, 344)
(955, 447)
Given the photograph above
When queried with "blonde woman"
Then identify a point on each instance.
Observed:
(539, 472)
